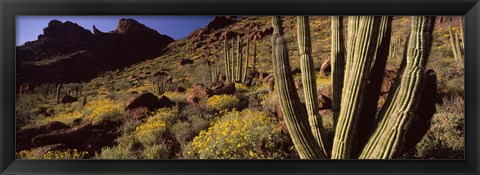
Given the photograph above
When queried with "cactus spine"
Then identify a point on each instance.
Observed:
(293, 110)
(308, 80)
(402, 109)
(337, 56)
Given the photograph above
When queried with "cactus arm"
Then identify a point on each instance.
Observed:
(452, 44)
(239, 59)
(399, 115)
(232, 61)
(373, 90)
(353, 92)
(225, 50)
(254, 56)
(309, 84)
(337, 56)
(293, 111)
(245, 66)
(59, 88)
(461, 32)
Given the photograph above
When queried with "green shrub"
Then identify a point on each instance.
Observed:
(182, 131)
(446, 137)
(156, 151)
(64, 154)
(123, 150)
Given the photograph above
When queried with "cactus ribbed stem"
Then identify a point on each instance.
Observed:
(455, 43)
(337, 56)
(398, 114)
(254, 56)
(59, 88)
(357, 72)
(292, 109)
(375, 79)
(238, 72)
(461, 32)
(309, 84)
(245, 66)
(232, 62)
(227, 60)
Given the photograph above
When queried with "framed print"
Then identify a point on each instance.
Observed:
(270, 87)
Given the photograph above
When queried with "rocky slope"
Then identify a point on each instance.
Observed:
(66, 52)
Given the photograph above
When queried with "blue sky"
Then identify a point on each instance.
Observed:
(29, 27)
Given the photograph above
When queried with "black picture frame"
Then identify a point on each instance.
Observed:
(10, 8)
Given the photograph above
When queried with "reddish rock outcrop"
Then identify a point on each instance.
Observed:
(199, 93)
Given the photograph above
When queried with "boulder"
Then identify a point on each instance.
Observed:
(68, 99)
(324, 102)
(24, 136)
(149, 101)
(180, 89)
(184, 62)
(199, 92)
(222, 88)
(86, 137)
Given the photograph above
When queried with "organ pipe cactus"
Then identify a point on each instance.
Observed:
(358, 64)
(410, 104)
(337, 56)
(254, 57)
(59, 88)
(401, 122)
(226, 49)
(245, 65)
(232, 62)
(308, 79)
(239, 59)
(456, 44)
(292, 109)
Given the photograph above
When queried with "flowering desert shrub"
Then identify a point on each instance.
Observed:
(104, 109)
(223, 102)
(66, 154)
(151, 132)
(238, 135)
